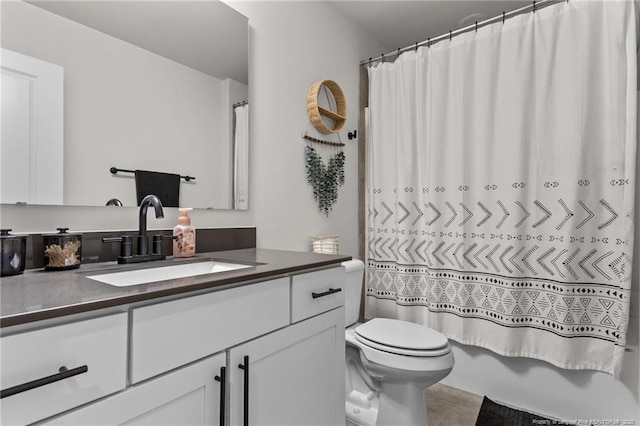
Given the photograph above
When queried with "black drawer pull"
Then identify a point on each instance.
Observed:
(326, 293)
(64, 373)
(222, 378)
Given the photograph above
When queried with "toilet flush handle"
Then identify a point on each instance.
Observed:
(326, 293)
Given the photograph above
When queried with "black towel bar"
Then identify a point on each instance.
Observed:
(115, 170)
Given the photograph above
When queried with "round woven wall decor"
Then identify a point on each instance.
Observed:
(316, 112)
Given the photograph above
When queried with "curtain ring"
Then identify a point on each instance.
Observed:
(383, 57)
(398, 53)
(416, 46)
(534, 6)
(476, 26)
(450, 37)
(369, 61)
(429, 42)
(503, 15)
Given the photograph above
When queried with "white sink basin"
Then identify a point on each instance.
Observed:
(144, 276)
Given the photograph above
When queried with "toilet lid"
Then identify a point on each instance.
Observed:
(401, 334)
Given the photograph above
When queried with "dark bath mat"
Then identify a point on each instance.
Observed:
(493, 414)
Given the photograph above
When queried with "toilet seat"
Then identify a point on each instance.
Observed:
(402, 351)
(388, 359)
(417, 364)
(402, 338)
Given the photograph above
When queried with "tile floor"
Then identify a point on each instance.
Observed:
(448, 406)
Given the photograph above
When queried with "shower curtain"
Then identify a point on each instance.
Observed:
(241, 157)
(501, 185)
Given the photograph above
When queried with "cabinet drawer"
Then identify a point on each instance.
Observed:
(99, 344)
(168, 335)
(316, 292)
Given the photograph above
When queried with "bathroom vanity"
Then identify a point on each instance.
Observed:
(262, 344)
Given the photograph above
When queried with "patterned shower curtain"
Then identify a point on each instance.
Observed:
(501, 186)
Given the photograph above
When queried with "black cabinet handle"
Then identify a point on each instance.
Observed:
(245, 366)
(326, 293)
(222, 378)
(64, 373)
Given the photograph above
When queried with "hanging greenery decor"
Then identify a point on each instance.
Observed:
(325, 180)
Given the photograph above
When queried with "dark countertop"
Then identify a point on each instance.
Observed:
(38, 295)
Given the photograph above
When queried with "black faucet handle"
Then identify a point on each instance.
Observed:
(126, 244)
(156, 248)
(158, 239)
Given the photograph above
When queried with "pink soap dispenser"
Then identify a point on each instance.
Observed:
(184, 242)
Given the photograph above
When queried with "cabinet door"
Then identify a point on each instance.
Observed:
(187, 396)
(295, 375)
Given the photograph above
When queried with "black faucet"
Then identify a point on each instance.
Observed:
(125, 241)
(143, 243)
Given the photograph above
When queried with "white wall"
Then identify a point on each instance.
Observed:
(293, 44)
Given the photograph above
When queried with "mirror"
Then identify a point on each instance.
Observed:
(156, 86)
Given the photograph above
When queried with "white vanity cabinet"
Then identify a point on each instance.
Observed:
(261, 353)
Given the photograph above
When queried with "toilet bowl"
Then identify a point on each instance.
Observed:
(389, 363)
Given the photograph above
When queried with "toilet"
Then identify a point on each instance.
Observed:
(389, 363)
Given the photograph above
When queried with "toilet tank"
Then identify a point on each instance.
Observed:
(353, 290)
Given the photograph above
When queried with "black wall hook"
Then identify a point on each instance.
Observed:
(352, 135)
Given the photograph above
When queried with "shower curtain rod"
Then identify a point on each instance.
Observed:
(530, 8)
